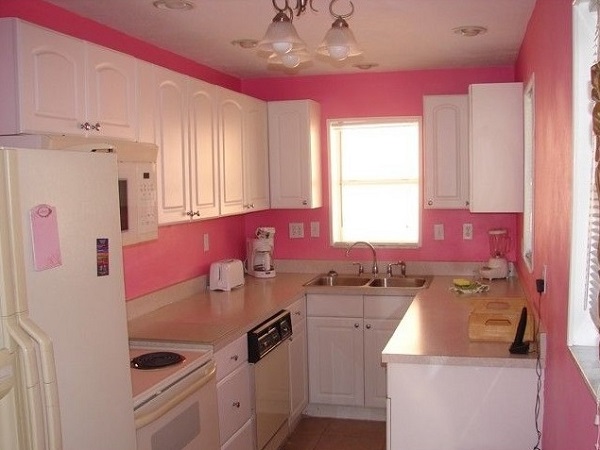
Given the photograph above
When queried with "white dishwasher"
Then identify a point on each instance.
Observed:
(268, 352)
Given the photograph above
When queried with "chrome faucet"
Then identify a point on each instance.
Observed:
(374, 268)
(402, 266)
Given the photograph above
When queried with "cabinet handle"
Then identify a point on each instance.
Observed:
(236, 404)
(86, 126)
(368, 326)
(235, 357)
(192, 213)
(467, 203)
(96, 127)
(356, 325)
(297, 313)
(430, 202)
(305, 202)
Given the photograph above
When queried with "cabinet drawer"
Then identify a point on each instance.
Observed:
(386, 307)
(231, 357)
(234, 397)
(334, 305)
(243, 439)
(297, 311)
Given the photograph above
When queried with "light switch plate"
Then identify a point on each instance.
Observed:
(296, 230)
(438, 231)
(315, 229)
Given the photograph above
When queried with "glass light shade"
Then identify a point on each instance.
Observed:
(339, 42)
(281, 37)
(291, 59)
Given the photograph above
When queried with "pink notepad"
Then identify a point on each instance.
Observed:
(45, 240)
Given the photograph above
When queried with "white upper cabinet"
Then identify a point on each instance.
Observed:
(204, 149)
(446, 151)
(256, 155)
(244, 175)
(294, 154)
(62, 85)
(183, 125)
(496, 147)
(231, 143)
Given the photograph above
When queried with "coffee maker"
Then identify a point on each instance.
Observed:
(497, 265)
(259, 261)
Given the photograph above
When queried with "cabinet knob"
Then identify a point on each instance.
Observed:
(430, 202)
(96, 127)
(356, 325)
(236, 404)
(305, 202)
(86, 126)
(297, 313)
(235, 357)
(368, 326)
(192, 213)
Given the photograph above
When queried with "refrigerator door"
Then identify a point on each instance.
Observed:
(78, 298)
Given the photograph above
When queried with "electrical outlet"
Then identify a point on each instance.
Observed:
(315, 229)
(438, 231)
(296, 230)
(467, 231)
(206, 242)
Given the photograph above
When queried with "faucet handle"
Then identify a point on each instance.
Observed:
(402, 266)
(361, 269)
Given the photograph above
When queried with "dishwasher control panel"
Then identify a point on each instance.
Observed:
(268, 335)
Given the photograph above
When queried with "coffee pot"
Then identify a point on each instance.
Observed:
(259, 261)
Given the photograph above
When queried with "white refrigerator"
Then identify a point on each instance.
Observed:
(64, 361)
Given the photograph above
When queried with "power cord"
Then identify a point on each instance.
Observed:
(540, 288)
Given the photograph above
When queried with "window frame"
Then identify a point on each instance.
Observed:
(334, 175)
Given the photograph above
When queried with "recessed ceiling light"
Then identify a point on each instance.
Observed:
(366, 66)
(245, 43)
(470, 31)
(173, 4)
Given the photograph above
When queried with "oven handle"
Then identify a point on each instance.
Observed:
(144, 419)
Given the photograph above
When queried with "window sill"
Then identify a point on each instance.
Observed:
(588, 361)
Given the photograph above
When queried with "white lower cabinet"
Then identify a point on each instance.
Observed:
(460, 407)
(346, 335)
(298, 357)
(234, 395)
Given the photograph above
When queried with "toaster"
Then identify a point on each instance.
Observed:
(226, 275)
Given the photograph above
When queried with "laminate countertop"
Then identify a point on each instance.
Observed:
(434, 330)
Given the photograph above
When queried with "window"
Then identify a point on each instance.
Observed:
(375, 180)
(584, 283)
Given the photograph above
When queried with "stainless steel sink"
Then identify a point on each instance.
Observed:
(400, 282)
(338, 280)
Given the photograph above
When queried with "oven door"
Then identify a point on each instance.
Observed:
(183, 417)
(272, 391)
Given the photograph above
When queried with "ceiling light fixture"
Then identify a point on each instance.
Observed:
(470, 31)
(284, 45)
(173, 4)
(245, 43)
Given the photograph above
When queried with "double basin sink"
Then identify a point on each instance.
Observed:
(373, 282)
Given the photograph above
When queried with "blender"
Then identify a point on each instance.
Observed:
(497, 265)
(260, 253)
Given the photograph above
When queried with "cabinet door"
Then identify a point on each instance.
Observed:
(52, 81)
(446, 151)
(335, 349)
(231, 143)
(377, 333)
(204, 150)
(294, 154)
(111, 92)
(496, 147)
(234, 397)
(298, 349)
(171, 138)
(256, 156)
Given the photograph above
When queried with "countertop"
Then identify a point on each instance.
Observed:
(433, 331)
(216, 317)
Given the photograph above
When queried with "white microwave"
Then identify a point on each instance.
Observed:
(137, 177)
(137, 192)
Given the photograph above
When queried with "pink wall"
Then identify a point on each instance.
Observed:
(379, 94)
(547, 52)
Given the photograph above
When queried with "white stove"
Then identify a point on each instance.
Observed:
(163, 395)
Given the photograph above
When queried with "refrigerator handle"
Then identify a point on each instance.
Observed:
(49, 383)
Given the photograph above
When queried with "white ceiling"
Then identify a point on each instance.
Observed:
(395, 34)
